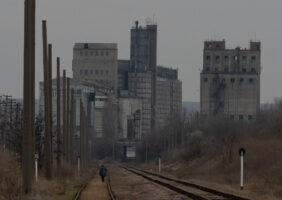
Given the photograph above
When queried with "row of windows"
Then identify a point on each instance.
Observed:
(226, 69)
(241, 117)
(91, 53)
(232, 80)
(217, 58)
(97, 72)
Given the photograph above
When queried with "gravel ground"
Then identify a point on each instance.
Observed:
(95, 190)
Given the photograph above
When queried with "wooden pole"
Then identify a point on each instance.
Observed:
(48, 172)
(58, 116)
(64, 115)
(28, 95)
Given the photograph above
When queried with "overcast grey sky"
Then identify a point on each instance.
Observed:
(183, 26)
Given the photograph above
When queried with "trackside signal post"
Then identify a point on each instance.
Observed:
(242, 152)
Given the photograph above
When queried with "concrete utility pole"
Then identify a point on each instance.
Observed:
(58, 116)
(68, 122)
(64, 115)
(73, 127)
(48, 144)
(50, 96)
(82, 136)
(29, 96)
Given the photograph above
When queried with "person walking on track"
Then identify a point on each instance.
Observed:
(103, 172)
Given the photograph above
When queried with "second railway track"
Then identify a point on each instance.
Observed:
(193, 191)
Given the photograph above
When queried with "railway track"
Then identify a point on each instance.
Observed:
(109, 188)
(193, 191)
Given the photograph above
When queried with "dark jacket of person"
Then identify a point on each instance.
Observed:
(103, 171)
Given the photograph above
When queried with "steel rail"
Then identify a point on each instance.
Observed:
(205, 189)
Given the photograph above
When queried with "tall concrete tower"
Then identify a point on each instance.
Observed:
(230, 81)
(143, 57)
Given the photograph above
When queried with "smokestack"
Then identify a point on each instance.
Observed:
(136, 24)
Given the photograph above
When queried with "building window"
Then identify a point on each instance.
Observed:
(232, 117)
(101, 72)
(102, 53)
(235, 58)
(241, 117)
(244, 70)
(107, 53)
(226, 57)
(96, 72)
(78, 92)
(253, 70)
(205, 80)
(208, 57)
(86, 53)
(217, 46)
(216, 69)
(244, 57)
(107, 72)
(86, 72)
(223, 80)
(241, 80)
(250, 117)
(226, 69)
(251, 80)
(97, 53)
(217, 58)
(232, 80)
(253, 58)
(85, 46)
(207, 69)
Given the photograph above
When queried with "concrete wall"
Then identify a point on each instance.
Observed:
(128, 108)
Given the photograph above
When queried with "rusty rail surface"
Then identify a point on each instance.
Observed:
(109, 187)
(113, 197)
(181, 191)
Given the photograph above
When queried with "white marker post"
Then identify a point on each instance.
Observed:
(36, 166)
(242, 152)
(160, 164)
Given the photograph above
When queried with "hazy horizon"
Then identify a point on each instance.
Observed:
(183, 26)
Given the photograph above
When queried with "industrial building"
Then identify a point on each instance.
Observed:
(96, 63)
(93, 99)
(230, 81)
(145, 94)
(140, 77)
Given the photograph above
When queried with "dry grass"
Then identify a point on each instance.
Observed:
(263, 165)
(10, 177)
(62, 187)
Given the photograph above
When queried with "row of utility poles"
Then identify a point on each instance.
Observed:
(65, 140)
